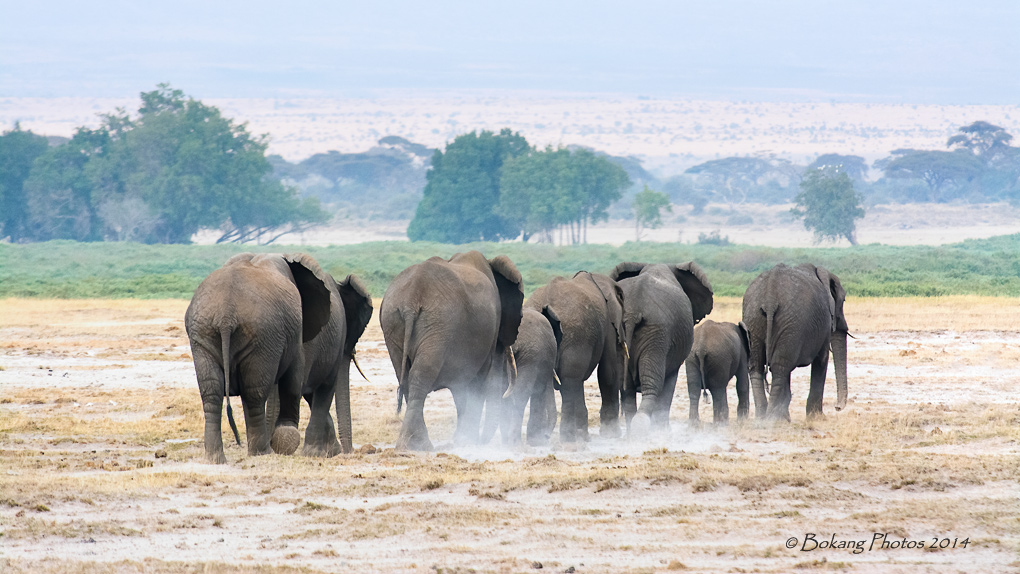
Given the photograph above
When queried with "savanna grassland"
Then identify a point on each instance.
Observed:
(100, 437)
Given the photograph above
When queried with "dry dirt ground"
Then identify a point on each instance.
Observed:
(100, 465)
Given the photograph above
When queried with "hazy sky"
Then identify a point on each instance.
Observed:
(930, 51)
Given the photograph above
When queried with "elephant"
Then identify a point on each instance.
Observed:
(793, 316)
(247, 323)
(662, 303)
(445, 323)
(328, 360)
(590, 309)
(535, 354)
(719, 353)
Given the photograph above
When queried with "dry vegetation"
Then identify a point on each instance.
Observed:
(100, 443)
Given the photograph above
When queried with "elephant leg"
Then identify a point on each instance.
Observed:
(660, 416)
(468, 400)
(628, 402)
(742, 391)
(210, 386)
(542, 416)
(720, 408)
(320, 436)
(286, 437)
(779, 396)
(609, 388)
(652, 372)
(761, 402)
(512, 419)
(818, 369)
(694, 378)
(255, 425)
(421, 378)
(575, 413)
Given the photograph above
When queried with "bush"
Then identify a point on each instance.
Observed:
(713, 238)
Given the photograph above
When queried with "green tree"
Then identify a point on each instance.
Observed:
(648, 206)
(559, 188)
(463, 187)
(18, 151)
(177, 167)
(829, 205)
(60, 190)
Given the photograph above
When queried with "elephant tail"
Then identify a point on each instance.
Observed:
(770, 315)
(409, 320)
(701, 369)
(225, 348)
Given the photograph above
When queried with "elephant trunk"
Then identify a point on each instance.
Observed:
(343, 405)
(838, 344)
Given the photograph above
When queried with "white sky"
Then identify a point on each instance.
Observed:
(931, 51)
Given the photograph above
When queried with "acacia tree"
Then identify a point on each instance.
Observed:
(936, 169)
(986, 141)
(829, 205)
(648, 206)
(734, 179)
(463, 188)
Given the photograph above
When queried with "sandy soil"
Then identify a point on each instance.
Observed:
(100, 450)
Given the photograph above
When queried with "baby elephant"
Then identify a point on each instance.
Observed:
(719, 353)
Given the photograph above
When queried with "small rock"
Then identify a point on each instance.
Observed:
(536, 565)
(161, 453)
(367, 449)
(569, 570)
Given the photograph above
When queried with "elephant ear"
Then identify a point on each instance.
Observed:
(697, 287)
(511, 298)
(626, 270)
(837, 295)
(314, 286)
(554, 321)
(745, 337)
(357, 309)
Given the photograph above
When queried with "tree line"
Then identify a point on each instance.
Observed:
(978, 165)
(158, 176)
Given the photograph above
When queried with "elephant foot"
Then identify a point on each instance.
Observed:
(815, 416)
(640, 426)
(611, 430)
(286, 440)
(415, 442)
(317, 450)
(215, 458)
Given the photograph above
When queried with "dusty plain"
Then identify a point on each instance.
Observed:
(101, 471)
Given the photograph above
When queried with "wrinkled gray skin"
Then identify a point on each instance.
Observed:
(793, 316)
(662, 303)
(328, 364)
(719, 354)
(247, 322)
(590, 309)
(446, 323)
(535, 353)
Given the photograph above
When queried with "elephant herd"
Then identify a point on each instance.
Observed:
(273, 328)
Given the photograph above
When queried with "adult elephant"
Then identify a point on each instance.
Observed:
(793, 316)
(445, 323)
(590, 309)
(328, 360)
(535, 354)
(662, 303)
(247, 323)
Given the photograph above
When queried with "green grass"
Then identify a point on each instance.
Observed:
(64, 269)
